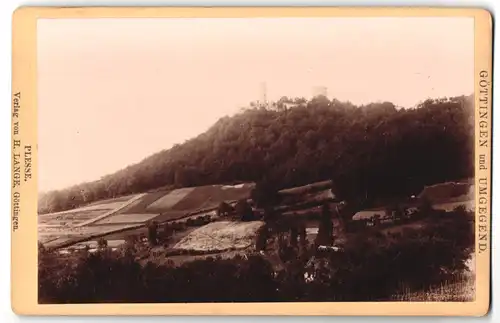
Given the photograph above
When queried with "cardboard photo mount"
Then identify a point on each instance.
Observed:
(24, 185)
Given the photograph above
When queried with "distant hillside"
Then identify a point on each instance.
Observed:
(373, 151)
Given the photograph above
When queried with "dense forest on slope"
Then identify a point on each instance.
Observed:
(375, 151)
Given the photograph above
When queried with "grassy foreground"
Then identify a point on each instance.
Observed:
(461, 289)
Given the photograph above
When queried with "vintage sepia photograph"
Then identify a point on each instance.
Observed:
(262, 159)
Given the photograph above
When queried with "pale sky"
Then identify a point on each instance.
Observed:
(114, 91)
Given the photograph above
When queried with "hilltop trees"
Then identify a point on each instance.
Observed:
(373, 151)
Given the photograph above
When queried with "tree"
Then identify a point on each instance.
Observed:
(426, 207)
(41, 249)
(244, 210)
(397, 213)
(319, 101)
(224, 209)
(153, 233)
(167, 232)
(102, 243)
(180, 178)
(265, 194)
(262, 237)
(325, 230)
(269, 214)
(294, 234)
(303, 235)
(281, 104)
(346, 210)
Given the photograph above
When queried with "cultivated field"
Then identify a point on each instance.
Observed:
(104, 206)
(84, 214)
(211, 195)
(140, 205)
(127, 218)
(72, 218)
(128, 212)
(169, 200)
(93, 244)
(219, 236)
(187, 200)
(114, 200)
(171, 216)
(56, 236)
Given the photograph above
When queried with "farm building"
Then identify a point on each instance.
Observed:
(310, 188)
(298, 198)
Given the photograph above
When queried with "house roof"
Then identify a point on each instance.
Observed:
(365, 214)
(324, 185)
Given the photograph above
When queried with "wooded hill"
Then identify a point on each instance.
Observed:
(374, 151)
